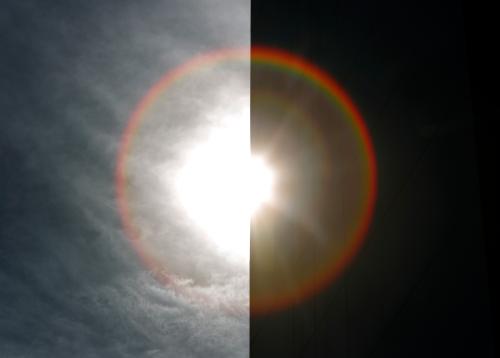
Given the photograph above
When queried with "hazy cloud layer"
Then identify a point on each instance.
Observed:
(70, 283)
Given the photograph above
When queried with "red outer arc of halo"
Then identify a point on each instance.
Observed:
(133, 124)
(288, 61)
(324, 80)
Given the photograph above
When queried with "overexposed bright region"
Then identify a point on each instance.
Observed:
(221, 185)
(260, 184)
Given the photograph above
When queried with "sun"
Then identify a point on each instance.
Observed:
(221, 185)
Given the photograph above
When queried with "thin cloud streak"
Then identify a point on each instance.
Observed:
(71, 284)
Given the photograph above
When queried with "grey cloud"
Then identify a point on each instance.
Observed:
(71, 284)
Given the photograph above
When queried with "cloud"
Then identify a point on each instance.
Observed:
(71, 284)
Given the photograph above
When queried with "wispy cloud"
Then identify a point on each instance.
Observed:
(71, 283)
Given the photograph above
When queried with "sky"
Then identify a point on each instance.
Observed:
(420, 285)
(72, 285)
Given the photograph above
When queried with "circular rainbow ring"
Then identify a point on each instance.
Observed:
(290, 63)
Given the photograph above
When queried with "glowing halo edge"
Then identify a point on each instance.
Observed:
(288, 62)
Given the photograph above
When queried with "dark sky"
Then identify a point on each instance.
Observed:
(418, 287)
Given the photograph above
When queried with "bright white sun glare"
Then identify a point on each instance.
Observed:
(221, 185)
